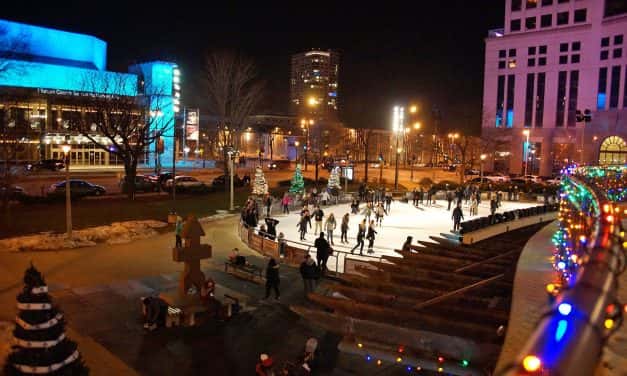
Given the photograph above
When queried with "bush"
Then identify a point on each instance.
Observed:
(425, 182)
(446, 184)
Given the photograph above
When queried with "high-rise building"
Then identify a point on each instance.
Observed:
(554, 86)
(314, 85)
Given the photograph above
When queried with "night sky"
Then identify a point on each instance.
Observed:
(430, 52)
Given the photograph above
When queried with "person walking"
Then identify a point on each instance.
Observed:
(322, 252)
(361, 233)
(388, 201)
(367, 211)
(178, 227)
(449, 199)
(344, 228)
(458, 215)
(492, 209)
(379, 213)
(302, 224)
(421, 194)
(330, 226)
(474, 205)
(268, 203)
(309, 272)
(286, 203)
(407, 244)
(371, 235)
(272, 279)
(318, 215)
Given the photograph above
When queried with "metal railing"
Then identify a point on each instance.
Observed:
(339, 256)
(570, 336)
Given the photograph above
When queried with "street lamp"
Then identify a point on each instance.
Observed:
(296, 143)
(68, 201)
(233, 155)
(483, 157)
(398, 117)
(526, 151)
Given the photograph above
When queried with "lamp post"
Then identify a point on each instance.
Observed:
(185, 152)
(296, 143)
(398, 116)
(483, 156)
(232, 156)
(526, 151)
(68, 200)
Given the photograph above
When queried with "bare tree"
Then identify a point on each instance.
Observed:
(469, 148)
(123, 125)
(233, 93)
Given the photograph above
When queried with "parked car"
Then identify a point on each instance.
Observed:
(479, 181)
(185, 183)
(160, 179)
(554, 181)
(450, 168)
(78, 188)
(471, 171)
(272, 166)
(46, 164)
(532, 178)
(218, 182)
(496, 177)
(142, 184)
(14, 192)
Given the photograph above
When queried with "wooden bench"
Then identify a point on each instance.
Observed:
(250, 272)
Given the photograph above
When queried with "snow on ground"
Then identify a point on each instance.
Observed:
(403, 220)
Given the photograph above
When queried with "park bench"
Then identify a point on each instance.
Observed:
(250, 272)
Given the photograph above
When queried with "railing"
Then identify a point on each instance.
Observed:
(589, 256)
(294, 252)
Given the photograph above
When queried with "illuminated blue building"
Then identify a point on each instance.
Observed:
(43, 75)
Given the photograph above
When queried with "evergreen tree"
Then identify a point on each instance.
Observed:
(260, 186)
(334, 179)
(298, 184)
(40, 343)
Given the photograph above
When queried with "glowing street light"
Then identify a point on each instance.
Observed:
(413, 109)
(417, 125)
(483, 157)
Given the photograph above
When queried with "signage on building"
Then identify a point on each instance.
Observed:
(192, 118)
(74, 93)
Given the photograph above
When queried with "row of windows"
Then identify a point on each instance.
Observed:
(618, 39)
(616, 53)
(563, 59)
(546, 20)
(532, 4)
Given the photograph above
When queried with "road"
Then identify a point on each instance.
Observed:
(38, 183)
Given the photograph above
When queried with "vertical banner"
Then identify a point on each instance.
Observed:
(192, 118)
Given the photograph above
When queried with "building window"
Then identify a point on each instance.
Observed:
(618, 39)
(529, 100)
(576, 46)
(530, 23)
(531, 4)
(605, 42)
(574, 59)
(563, 47)
(531, 50)
(512, 52)
(542, 61)
(613, 151)
(573, 91)
(500, 96)
(602, 88)
(502, 54)
(580, 15)
(511, 82)
(516, 5)
(547, 2)
(618, 52)
(514, 25)
(604, 55)
(562, 1)
(502, 64)
(614, 86)
(540, 101)
(511, 63)
(564, 59)
(561, 99)
(531, 62)
(542, 50)
(562, 18)
(546, 20)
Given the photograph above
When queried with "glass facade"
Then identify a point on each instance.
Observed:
(540, 100)
(500, 97)
(602, 89)
(561, 99)
(614, 86)
(573, 91)
(511, 83)
(529, 100)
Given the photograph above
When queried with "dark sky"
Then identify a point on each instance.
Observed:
(430, 51)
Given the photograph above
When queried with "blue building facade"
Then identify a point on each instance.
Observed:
(43, 74)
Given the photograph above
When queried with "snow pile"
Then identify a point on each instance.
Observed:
(116, 233)
(6, 340)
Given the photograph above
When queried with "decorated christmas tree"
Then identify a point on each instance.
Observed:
(260, 186)
(334, 179)
(41, 346)
(298, 184)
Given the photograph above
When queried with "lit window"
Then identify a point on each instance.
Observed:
(511, 63)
